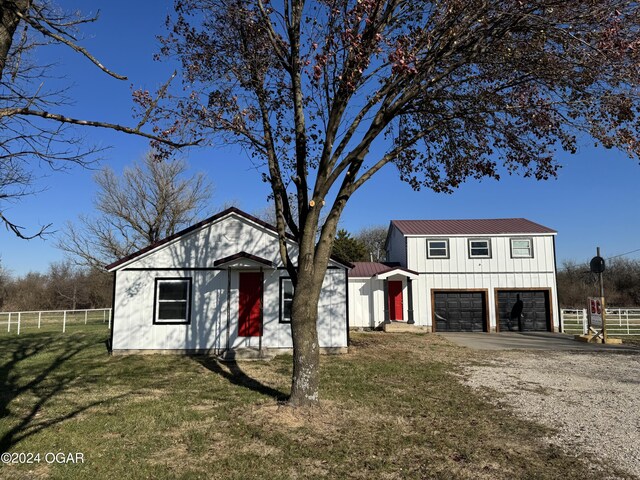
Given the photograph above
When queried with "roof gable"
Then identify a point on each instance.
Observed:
(370, 269)
(497, 226)
(199, 226)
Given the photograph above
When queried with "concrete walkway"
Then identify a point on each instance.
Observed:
(531, 341)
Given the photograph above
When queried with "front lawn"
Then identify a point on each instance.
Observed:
(392, 408)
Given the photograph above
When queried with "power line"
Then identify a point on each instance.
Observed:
(623, 254)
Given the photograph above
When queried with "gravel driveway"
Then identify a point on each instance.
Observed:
(592, 399)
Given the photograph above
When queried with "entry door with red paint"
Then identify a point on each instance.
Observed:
(250, 307)
(395, 300)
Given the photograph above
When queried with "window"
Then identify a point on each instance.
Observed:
(521, 248)
(437, 248)
(286, 299)
(479, 248)
(172, 301)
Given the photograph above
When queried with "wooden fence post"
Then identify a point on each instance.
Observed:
(9, 323)
(86, 312)
(64, 321)
(19, 318)
(39, 318)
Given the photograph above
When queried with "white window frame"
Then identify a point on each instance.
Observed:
(514, 254)
(438, 240)
(488, 243)
(157, 302)
(284, 281)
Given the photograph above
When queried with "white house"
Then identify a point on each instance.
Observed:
(217, 287)
(460, 275)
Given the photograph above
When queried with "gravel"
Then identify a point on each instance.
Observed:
(592, 400)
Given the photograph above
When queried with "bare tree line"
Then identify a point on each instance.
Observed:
(621, 283)
(62, 287)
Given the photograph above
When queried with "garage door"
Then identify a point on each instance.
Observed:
(459, 311)
(524, 310)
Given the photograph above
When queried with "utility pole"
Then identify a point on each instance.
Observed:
(604, 313)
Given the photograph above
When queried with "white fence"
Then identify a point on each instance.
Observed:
(620, 321)
(58, 319)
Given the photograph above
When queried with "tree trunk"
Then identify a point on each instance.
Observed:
(305, 382)
(8, 23)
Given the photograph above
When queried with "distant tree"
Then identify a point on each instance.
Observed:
(326, 93)
(150, 201)
(29, 292)
(33, 131)
(349, 249)
(5, 279)
(621, 283)
(575, 284)
(374, 239)
(63, 286)
(66, 287)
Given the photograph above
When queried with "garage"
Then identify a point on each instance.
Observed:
(523, 310)
(460, 311)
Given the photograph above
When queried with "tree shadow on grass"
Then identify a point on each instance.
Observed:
(235, 375)
(38, 368)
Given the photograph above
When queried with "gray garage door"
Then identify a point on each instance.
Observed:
(524, 310)
(460, 311)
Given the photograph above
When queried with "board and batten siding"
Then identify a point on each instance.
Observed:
(367, 301)
(425, 285)
(214, 295)
(459, 262)
(207, 330)
(200, 248)
(500, 272)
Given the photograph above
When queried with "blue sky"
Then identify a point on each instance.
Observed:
(593, 202)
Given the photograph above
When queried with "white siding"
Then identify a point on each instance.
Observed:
(500, 261)
(424, 286)
(366, 302)
(187, 256)
(459, 272)
(200, 248)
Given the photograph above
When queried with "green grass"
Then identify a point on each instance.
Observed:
(392, 408)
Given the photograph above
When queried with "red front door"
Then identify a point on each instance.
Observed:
(250, 308)
(395, 300)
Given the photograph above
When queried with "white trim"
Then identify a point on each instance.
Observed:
(391, 273)
(198, 230)
(473, 235)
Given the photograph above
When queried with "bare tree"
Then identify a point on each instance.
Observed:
(34, 132)
(5, 280)
(375, 239)
(150, 201)
(324, 93)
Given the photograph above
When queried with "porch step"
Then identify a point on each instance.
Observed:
(396, 327)
(246, 354)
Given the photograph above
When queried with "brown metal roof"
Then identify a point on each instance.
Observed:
(495, 226)
(369, 269)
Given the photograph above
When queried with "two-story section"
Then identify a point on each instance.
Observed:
(482, 275)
